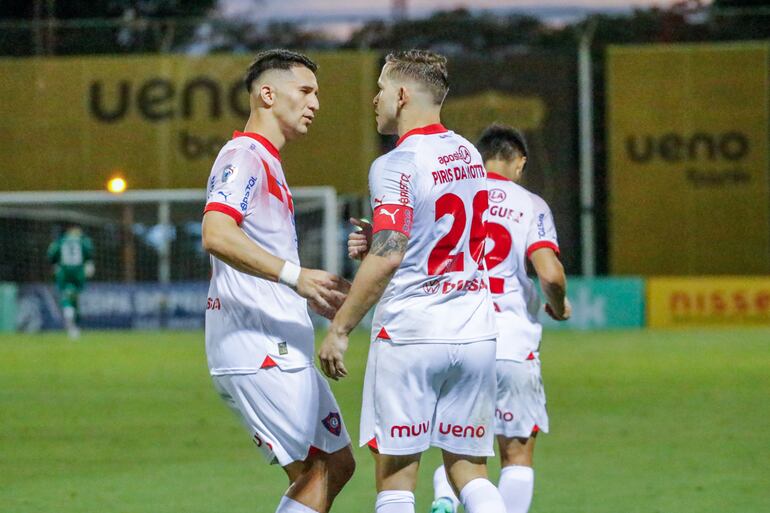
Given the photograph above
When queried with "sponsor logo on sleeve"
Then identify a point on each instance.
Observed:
(213, 303)
(392, 215)
(247, 193)
(225, 195)
(403, 189)
(333, 423)
(541, 225)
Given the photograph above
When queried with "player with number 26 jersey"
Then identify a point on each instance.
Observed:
(430, 372)
(432, 187)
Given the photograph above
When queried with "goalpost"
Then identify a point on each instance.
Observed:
(143, 235)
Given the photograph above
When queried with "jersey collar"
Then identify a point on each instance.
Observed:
(436, 128)
(261, 140)
(495, 176)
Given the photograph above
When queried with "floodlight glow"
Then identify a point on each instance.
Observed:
(116, 185)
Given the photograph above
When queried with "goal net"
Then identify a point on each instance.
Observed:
(146, 241)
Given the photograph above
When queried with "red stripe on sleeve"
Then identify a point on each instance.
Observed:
(540, 245)
(225, 209)
(393, 217)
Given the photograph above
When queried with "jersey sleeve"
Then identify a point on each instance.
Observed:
(542, 230)
(234, 180)
(391, 187)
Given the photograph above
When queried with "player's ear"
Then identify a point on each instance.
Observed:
(266, 94)
(403, 97)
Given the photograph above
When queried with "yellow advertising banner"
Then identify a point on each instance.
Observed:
(70, 123)
(688, 159)
(685, 302)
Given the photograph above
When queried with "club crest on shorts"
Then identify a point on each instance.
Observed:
(333, 423)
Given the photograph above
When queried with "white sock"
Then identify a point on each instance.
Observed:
(517, 484)
(442, 488)
(288, 505)
(481, 496)
(394, 501)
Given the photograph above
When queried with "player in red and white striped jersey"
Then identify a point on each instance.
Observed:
(430, 373)
(519, 227)
(259, 338)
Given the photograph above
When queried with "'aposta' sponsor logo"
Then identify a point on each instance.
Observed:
(462, 154)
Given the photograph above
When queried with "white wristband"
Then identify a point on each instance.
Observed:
(289, 274)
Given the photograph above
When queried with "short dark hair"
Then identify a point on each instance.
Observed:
(276, 59)
(424, 66)
(501, 142)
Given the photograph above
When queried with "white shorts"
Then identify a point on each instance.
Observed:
(422, 395)
(520, 409)
(289, 414)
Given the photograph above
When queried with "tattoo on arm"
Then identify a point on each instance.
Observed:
(387, 242)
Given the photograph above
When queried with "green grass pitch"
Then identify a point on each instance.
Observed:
(641, 421)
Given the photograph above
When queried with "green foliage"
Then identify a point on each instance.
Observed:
(641, 421)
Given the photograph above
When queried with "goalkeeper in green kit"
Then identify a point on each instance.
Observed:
(71, 256)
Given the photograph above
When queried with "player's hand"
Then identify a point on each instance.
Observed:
(559, 315)
(325, 292)
(332, 353)
(360, 240)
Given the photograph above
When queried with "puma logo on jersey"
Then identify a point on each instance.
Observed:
(225, 195)
(392, 216)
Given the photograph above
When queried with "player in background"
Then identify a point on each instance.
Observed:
(520, 227)
(72, 258)
(430, 373)
(259, 338)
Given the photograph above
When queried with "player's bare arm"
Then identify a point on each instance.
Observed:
(553, 282)
(223, 238)
(385, 255)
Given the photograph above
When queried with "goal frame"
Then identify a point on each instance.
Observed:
(164, 198)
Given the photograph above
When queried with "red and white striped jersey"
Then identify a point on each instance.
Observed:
(252, 322)
(518, 223)
(433, 188)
